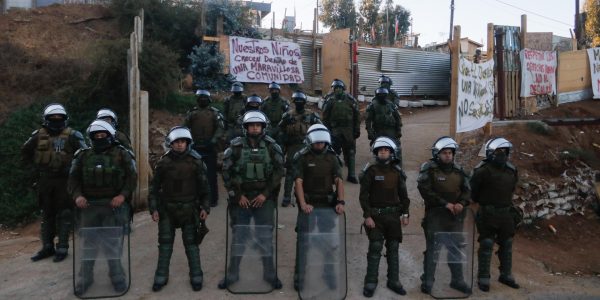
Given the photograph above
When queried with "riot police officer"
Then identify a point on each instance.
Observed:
(50, 149)
(274, 107)
(252, 103)
(383, 119)
(252, 171)
(493, 183)
(317, 170)
(386, 83)
(100, 180)
(206, 125)
(233, 107)
(292, 129)
(385, 203)
(342, 117)
(179, 198)
(444, 187)
(110, 116)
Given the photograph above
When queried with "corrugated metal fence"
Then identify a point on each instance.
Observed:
(429, 72)
(308, 60)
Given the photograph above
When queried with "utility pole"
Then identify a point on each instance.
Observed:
(451, 21)
(577, 24)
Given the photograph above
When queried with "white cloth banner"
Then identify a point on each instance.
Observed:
(254, 60)
(594, 56)
(538, 72)
(475, 94)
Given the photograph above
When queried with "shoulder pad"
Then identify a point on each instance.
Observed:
(277, 148)
(236, 141)
(227, 153)
(370, 106)
(511, 166)
(286, 115)
(122, 148)
(215, 109)
(350, 97)
(192, 109)
(195, 154)
(367, 166)
(300, 153)
(480, 165)
(428, 165)
(77, 134)
(35, 132)
(80, 152)
(394, 106)
(269, 139)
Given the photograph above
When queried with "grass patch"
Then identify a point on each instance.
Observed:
(540, 128)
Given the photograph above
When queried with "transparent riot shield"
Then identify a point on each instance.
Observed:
(453, 244)
(101, 265)
(321, 255)
(251, 262)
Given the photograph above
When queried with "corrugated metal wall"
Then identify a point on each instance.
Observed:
(429, 71)
(306, 46)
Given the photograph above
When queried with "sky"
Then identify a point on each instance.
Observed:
(431, 18)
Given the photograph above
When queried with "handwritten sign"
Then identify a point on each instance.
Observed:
(253, 60)
(594, 57)
(538, 72)
(475, 94)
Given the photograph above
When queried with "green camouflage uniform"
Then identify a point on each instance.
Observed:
(342, 118)
(51, 156)
(179, 192)
(383, 197)
(438, 185)
(233, 107)
(274, 108)
(383, 119)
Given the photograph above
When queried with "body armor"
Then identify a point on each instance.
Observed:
(53, 153)
(103, 176)
(274, 108)
(384, 187)
(254, 166)
(179, 181)
(342, 113)
(202, 125)
(318, 177)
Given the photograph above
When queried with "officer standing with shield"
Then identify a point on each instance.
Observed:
(342, 117)
(110, 116)
(206, 124)
(384, 201)
(444, 187)
(292, 129)
(252, 171)
(179, 198)
(100, 180)
(383, 119)
(493, 183)
(274, 107)
(233, 107)
(318, 170)
(51, 149)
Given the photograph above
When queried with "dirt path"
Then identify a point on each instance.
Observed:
(22, 279)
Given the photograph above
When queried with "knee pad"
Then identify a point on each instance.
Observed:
(486, 244)
(166, 239)
(392, 245)
(375, 247)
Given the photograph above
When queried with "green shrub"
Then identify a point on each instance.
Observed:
(585, 155)
(207, 68)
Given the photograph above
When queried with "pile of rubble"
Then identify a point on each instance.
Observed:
(571, 195)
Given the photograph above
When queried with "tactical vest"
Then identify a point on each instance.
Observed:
(202, 125)
(383, 117)
(53, 153)
(236, 105)
(384, 187)
(447, 184)
(274, 109)
(254, 166)
(103, 175)
(179, 179)
(318, 177)
(497, 186)
(298, 126)
(342, 114)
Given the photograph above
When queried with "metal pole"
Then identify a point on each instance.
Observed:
(451, 19)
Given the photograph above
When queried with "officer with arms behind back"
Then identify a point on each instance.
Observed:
(51, 149)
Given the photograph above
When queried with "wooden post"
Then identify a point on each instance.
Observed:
(487, 129)
(142, 159)
(455, 56)
(314, 51)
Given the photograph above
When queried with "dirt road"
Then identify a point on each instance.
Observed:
(20, 278)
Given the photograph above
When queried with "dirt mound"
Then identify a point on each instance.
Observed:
(43, 50)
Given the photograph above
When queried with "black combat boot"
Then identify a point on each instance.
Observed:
(47, 251)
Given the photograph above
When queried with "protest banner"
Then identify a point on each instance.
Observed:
(538, 72)
(594, 58)
(254, 60)
(475, 94)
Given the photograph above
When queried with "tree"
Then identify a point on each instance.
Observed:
(592, 23)
(237, 19)
(369, 10)
(207, 68)
(387, 20)
(338, 14)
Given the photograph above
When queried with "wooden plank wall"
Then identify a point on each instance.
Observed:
(573, 71)
(336, 57)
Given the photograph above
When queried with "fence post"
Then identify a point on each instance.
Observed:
(455, 56)
(487, 129)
